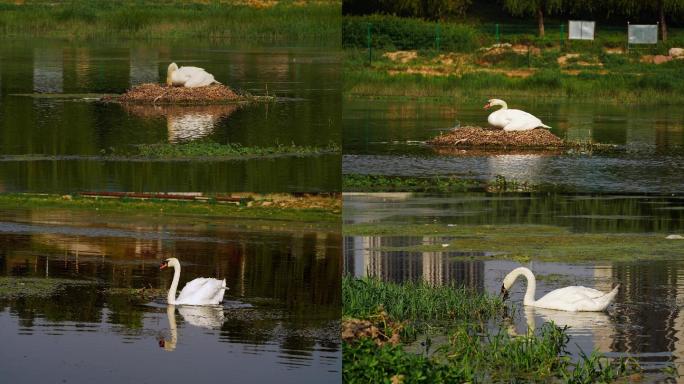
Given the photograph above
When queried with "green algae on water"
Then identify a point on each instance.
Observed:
(32, 287)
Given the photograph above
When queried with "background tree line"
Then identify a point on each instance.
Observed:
(608, 11)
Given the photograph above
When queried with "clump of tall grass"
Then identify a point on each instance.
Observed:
(416, 301)
(472, 357)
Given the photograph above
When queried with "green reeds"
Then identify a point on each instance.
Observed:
(416, 301)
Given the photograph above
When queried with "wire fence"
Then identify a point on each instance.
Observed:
(392, 33)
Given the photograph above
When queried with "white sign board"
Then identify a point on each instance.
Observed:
(642, 33)
(581, 30)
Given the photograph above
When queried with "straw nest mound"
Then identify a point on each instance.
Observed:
(161, 94)
(469, 137)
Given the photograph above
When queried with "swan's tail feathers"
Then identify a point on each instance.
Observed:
(545, 126)
(605, 300)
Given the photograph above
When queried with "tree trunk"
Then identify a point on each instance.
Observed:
(540, 15)
(663, 23)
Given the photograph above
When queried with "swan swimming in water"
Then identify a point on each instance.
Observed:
(189, 77)
(512, 119)
(200, 291)
(574, 298)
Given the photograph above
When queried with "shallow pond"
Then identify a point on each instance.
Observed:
(645, 322)
(386, 137)
(279, 318)
(53, 133)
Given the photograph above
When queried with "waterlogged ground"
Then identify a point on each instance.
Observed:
(476, 239)
(55, 134)
(386, 137)
(83, 274)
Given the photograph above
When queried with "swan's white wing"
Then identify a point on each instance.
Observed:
(575, 298)
(200, 291)
(195, 77)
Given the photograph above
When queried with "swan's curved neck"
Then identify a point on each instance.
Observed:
(531, 285)
(171, 297)
(503, 105)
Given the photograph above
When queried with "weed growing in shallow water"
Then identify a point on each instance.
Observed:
(470, 355)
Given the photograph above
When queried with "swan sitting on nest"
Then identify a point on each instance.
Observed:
(512, 119)
(189, 77)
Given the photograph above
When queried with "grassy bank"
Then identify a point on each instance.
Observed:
(525, 242)
(310, 22)
(281, 207)
(469, 355)
(469, 65)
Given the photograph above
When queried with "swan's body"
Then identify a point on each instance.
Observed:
(575, 298)
(200, 291)
(189, 77)
(512, 119)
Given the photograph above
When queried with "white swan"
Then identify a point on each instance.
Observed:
(573, 298)
(512, 119)
(189, 77)
(200, 291)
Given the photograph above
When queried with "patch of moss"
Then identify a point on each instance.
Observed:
(527, 242)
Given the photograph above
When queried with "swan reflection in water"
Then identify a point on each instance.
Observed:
(208, 317)
(588, 330)
(185, 122)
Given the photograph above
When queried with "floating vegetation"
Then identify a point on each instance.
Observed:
(208, 149)
(137, 295)
(381, 183)
(526, 242)
(32, 287)
(153, 93)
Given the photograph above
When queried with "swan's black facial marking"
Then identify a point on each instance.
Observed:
(504, 293)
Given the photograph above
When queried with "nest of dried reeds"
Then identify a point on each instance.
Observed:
(470, 136)
(152, 93)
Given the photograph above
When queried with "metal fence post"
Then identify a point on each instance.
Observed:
(368, 39)
(562, 28)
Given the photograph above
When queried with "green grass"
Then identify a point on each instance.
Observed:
(417, 301)
(654, 86)
(460, 70)
(161, 208)
(316, 23)
(471, 354)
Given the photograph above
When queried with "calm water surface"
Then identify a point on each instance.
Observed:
(386, 137)
(279, 318)
(51, 144)
(645, 322)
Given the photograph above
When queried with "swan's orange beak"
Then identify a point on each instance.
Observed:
(163, 265)
(487, 106)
